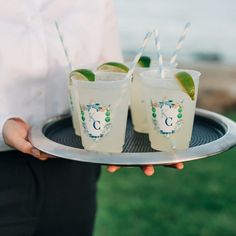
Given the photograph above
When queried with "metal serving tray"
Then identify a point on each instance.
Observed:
(212, 134)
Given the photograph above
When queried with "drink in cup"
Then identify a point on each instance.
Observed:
(73, 110)
(170, 107)
(103, 108)
(85, 74)
(138, 110)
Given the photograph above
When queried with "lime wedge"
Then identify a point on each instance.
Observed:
(144, 61)
(113, 67)
(187, 83)
(83, 74)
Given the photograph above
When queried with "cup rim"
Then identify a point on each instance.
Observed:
(154, 63)
(124, 82)
(197, 73)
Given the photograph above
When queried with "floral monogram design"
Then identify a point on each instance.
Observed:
(167, 115)
(96, 120)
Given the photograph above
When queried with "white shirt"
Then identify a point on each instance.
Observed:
(33, 67)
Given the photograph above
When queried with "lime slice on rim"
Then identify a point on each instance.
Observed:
(113, 67)
(83, 74)
(144, 61)
(187, 83)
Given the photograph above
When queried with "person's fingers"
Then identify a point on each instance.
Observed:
(148, 170)
(178, 166)
(26, 147)
(36, 153)
(113, 169)
(44, 156)
(15, 133)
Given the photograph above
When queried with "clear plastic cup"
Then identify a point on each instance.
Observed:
(73, 97)
(73, 108)
(170, 111)
(138, 110)
(103, 109)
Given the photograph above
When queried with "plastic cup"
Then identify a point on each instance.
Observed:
(103, 109)
(138, 110)
(73, 108)
(170, 111)
(138, 113)
(73, 98)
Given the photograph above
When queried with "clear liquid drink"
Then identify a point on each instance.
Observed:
(138, 110)
(73, 98)
(170, 110)
(73, 108)
(103, 109)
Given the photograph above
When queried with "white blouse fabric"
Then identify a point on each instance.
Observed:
(33, 67)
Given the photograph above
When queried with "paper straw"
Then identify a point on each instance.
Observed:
(158, 51)
(179, 43)
(63, 45)
(139, 54)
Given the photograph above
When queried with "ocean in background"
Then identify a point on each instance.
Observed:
(212, 36)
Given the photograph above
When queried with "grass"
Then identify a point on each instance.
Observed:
(199, 200)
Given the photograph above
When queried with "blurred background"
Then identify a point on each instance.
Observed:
(201, 199)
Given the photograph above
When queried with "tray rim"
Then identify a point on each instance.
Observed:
(226, 142)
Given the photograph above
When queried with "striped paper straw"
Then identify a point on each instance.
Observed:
(63, 45)
(180, 43)
(139, 54)
(158, 51)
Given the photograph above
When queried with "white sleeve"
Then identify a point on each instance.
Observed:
(3, 119)
(8, 97)
(7, 109)
(111, 45)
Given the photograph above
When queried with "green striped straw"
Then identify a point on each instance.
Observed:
(139, 54)
(180, 43)
(63, 46)
(158, 51)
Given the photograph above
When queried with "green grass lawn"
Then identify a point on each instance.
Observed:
(199, 200)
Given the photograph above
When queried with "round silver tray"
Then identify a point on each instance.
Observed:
(212, 134)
